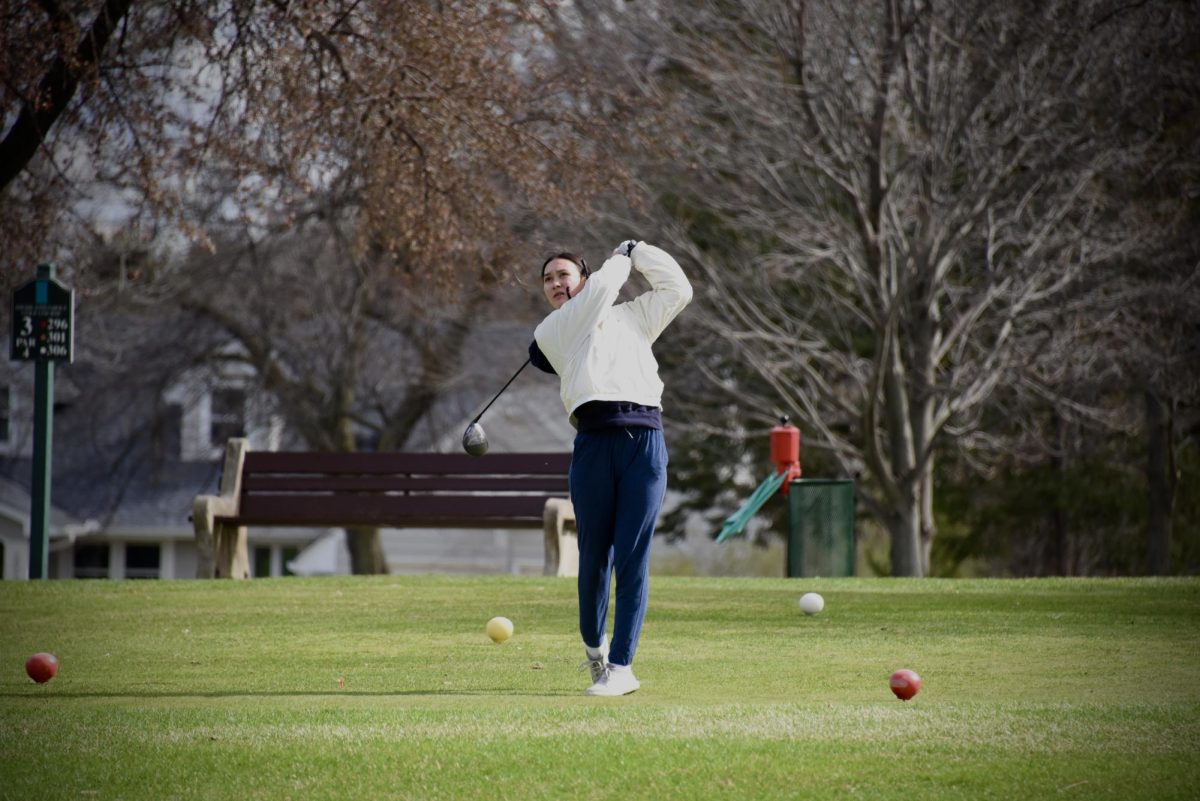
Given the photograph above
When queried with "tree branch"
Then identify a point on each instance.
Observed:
(55, 92)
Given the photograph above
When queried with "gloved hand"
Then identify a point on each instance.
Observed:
(625, 248)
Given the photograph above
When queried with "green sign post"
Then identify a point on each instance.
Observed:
(43, 324)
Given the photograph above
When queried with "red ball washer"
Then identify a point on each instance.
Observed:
(905, 684)
(42, 667)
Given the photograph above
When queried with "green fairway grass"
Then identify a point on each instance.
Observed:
(388, 688)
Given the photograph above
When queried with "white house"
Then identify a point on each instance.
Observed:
(134, 521)
(138, 523)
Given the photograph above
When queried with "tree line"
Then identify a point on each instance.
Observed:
(955, 242)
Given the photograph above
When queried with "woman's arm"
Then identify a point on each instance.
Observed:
(669, 292)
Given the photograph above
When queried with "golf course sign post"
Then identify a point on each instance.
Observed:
(43, 325)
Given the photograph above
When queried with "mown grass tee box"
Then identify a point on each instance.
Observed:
(390, 687)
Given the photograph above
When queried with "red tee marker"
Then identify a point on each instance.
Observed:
(41, 667)
(905, 684)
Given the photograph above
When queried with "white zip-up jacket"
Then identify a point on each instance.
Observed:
(601, 351)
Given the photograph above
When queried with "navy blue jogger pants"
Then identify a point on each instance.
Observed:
(618, 479)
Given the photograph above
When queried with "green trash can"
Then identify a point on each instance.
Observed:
(820, 527)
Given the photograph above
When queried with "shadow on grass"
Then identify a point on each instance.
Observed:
(291, 694)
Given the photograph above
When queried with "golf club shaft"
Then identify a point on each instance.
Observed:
(501, 392)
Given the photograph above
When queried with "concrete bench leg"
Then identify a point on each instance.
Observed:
(562, 541)
(231, 559)
(202, 523)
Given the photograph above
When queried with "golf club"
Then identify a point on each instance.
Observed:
(474, 439)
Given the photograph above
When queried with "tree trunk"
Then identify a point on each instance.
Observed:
(905, 530)
(366, 552)
(1160, 481)
(363, 542)
(928, 526)
(1061, 562)
(1058, 558)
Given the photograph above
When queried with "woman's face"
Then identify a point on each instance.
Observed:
(561, 281)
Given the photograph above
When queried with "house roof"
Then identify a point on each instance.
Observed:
(16, 503)
(157, 495)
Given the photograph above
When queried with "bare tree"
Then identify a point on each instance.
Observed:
(1160, 326)
(353, 351)
(359, 177)
(432, 120)
(1127, 346)
(891, 197)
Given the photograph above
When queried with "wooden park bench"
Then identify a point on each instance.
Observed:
(384, 490)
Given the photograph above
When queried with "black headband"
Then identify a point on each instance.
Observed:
(571, 257)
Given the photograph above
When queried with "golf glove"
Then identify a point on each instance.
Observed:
(625, 248)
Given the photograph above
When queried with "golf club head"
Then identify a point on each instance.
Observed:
(474, 440)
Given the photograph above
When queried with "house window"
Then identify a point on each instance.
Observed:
(263, 555)
(366, 440)
(228, 415)
(5, 411)
(290, 552)
(142, 561)
(91, 561)
(168, 432)
(262, 561)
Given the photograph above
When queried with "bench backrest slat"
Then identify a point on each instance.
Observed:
(328, 464)
(397, 510)
(257, 483)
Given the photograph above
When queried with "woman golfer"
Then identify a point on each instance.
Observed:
(611, 390)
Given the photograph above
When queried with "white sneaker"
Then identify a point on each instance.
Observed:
(599, 665)
(615, 681)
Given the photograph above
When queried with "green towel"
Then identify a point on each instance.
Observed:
(738, 520)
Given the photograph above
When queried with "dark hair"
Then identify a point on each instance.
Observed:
(571, 257)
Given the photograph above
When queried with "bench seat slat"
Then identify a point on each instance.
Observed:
(391, 510)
